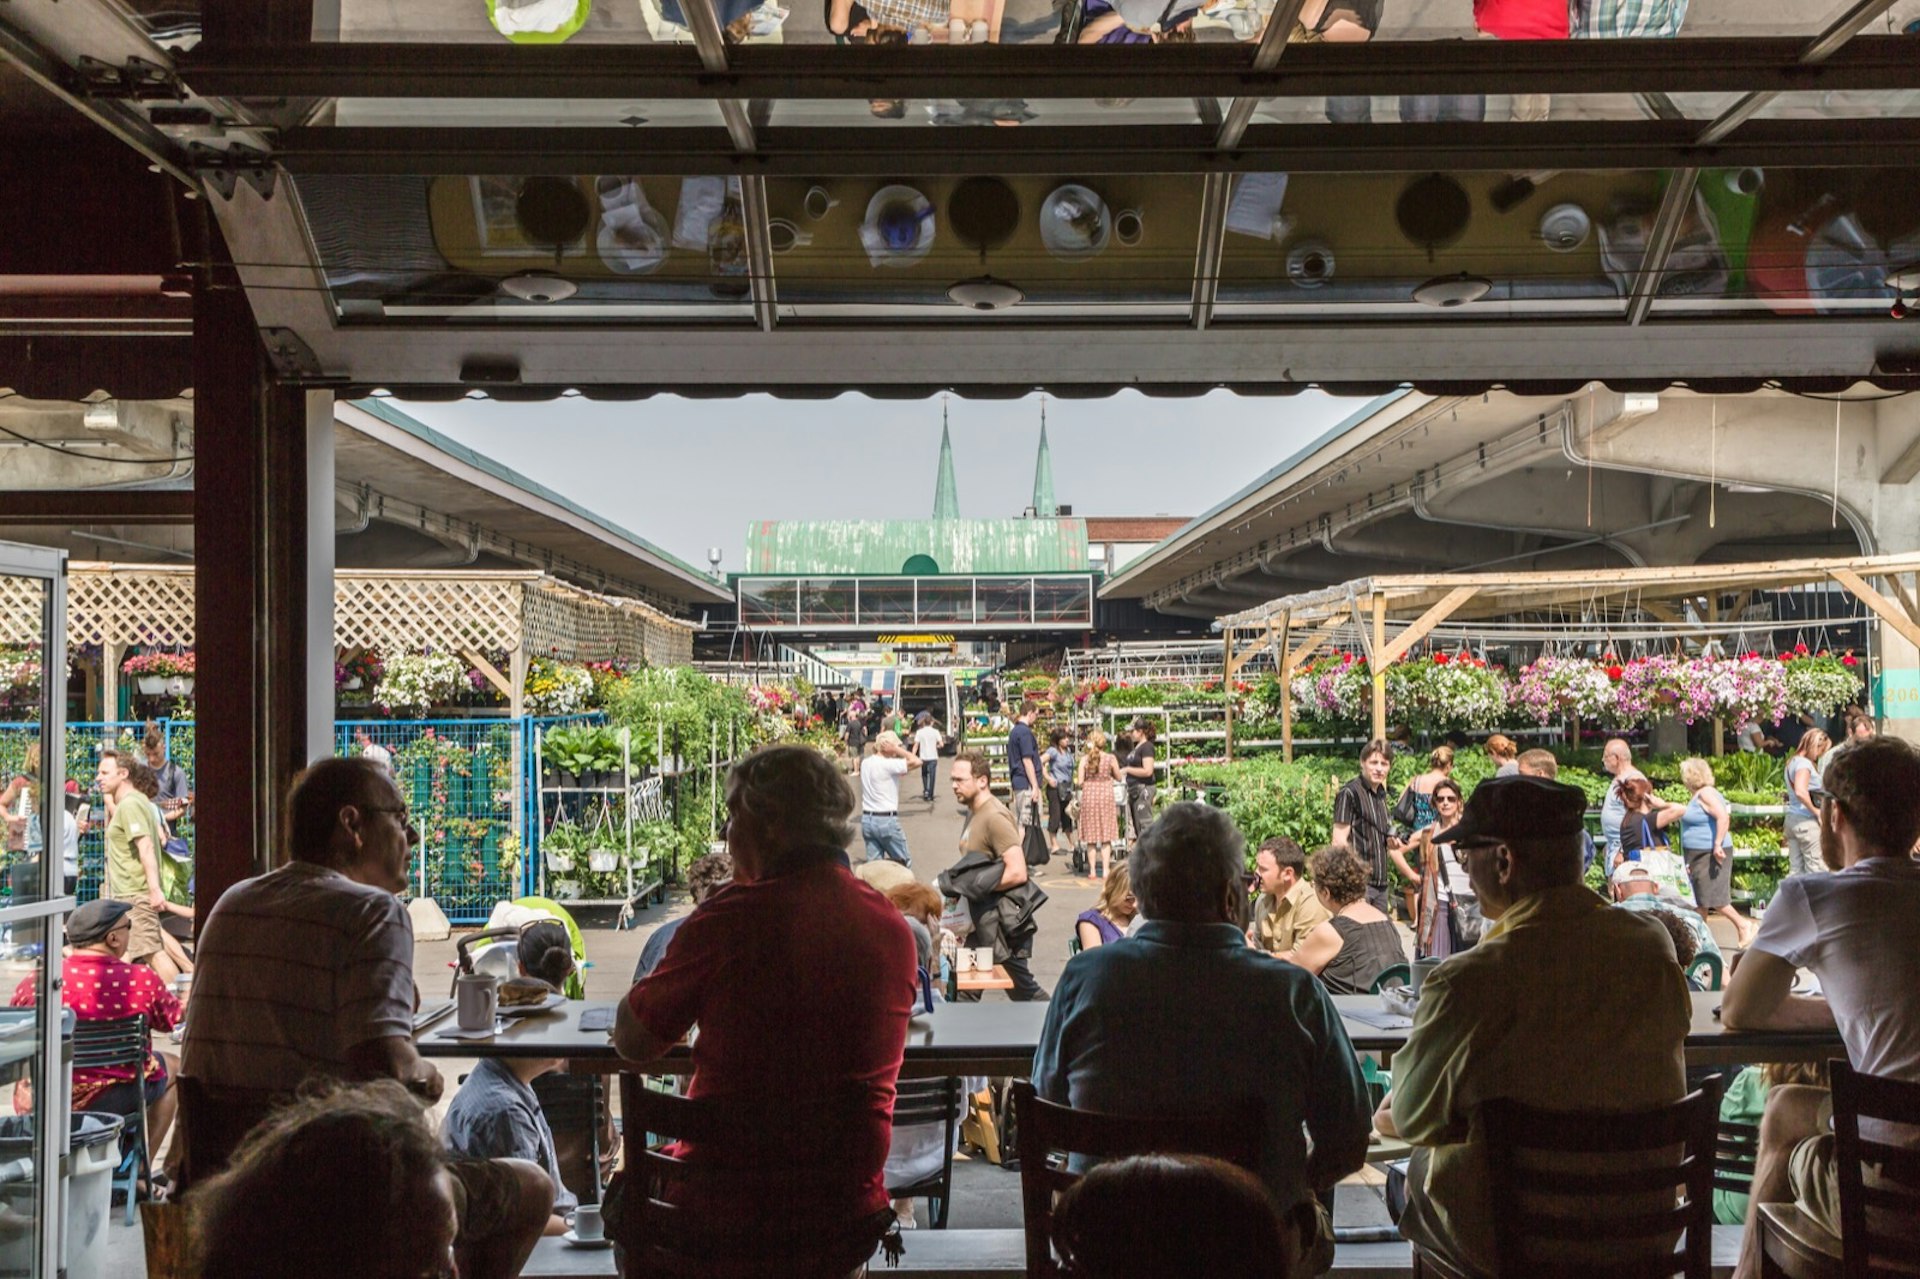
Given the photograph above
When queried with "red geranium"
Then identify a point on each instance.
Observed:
(1439, 659)
(1849, 660)
(1801, 649)
(1615, 672)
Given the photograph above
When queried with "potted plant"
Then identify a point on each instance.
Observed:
(562, 845)
(609, 760)
(157, 674)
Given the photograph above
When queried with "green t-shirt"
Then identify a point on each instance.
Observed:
(133, 818)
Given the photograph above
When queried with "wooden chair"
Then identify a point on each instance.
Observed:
(121, 1042)
(1574, 1191)
(212, 1124)
(731, 1212)
(1735, 1149)
(1047, 1134)
(925, 1101)
(1878, 1231)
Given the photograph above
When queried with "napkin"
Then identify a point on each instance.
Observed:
(597, 1019)
(1255, 204)
(454, 1032)
(511, 17)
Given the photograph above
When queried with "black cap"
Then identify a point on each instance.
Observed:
(1518, 807)
(95, 920)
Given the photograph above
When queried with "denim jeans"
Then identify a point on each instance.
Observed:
(884, 838)
(1415, 108)
(929, 769)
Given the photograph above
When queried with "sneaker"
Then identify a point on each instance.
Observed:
(907, 1222)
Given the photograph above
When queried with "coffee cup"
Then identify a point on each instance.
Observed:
(963, 960)
(784, 235)
(983, 959)
(476, 998)
(1128, 228)
(587, 1226)
(818, 203)
(1417, 974)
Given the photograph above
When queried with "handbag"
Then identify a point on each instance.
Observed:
(1405, 811)
(1033, 840)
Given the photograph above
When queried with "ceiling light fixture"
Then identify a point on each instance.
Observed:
(986, 293)
(1452, 290)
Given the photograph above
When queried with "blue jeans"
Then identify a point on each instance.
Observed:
(884, 838)
(929, 769)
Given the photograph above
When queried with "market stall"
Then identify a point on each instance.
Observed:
(1681, 610)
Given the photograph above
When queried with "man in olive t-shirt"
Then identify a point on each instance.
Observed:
(133, 851)
(990, 831)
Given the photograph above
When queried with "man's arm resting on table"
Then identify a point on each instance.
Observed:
(395, 1057)
(1759, 996)
(633, 1040)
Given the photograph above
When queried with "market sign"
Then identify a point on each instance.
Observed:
(1900, 694)
(917, 641)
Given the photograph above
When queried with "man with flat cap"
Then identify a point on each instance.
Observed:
(1560, 984)
(98, 984)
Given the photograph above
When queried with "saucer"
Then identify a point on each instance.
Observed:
(575, 1241)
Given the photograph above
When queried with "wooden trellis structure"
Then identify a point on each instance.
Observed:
(119, 606)
(1293, 627)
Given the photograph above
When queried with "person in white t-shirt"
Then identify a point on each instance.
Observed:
(1854, 930)
(926, 744)
(886, 762)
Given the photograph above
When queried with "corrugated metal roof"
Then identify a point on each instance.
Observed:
(843, 547)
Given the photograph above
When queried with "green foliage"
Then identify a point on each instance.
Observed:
(686, 706)
(1753, 772)
(582, 748)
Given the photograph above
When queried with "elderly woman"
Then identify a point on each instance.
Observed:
(1803, 804)
(1107, 921)
(1705, 842)
(1358, 943)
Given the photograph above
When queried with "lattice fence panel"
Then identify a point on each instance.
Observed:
(403, 614)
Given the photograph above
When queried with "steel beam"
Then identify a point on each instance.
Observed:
(78, 507)
(578, 70)
(1170, 149)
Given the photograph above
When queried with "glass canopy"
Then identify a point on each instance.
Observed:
(1294, 246)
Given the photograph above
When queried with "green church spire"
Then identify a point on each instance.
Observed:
(946, 495)
(1043, 504)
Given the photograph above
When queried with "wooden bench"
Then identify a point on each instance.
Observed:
(994, 1254)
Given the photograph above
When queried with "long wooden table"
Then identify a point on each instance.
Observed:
(998, 1037)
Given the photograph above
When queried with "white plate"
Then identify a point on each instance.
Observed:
(1564, 227)
(547, 1005)
(923, 207)
(575, 1241)
(628, 254)
(1065, 243)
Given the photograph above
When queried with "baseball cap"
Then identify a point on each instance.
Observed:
(1517, 807)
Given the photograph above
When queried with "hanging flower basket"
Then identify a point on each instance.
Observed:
(151, 685)
(558, 858)
(178, 686)
(602, 860)
(564, 890)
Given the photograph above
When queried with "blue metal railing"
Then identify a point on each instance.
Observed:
(469, 783)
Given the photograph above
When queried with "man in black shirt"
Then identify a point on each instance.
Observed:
(1360, 820)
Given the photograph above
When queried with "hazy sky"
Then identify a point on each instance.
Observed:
(689, 474)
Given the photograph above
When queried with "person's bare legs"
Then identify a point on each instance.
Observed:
(1792, 1116)
(1742, 925)
(163, 966)
(160, 1114)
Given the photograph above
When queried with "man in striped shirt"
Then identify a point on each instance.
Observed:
(308, 970)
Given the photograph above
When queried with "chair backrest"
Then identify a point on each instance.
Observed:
(1705, 969)
(926, 1101)
(1736, 1146)
(723, 1196)
(116, 1041)
(1588, 1193)
(1048, 1133)
(1879, 1178)
(213, 1123)
(1393, 975)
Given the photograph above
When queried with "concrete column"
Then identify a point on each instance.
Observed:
(319, 574)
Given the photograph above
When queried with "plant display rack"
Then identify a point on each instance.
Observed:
(639, 801)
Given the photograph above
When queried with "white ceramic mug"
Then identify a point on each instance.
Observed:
(1127, 228)
(587, 1226)
(819, 202)
(963, 960)
(983, 959)
(476, 998)
(784, 235)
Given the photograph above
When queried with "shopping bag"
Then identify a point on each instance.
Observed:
(1033, 840)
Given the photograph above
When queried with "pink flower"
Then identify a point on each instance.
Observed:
(1850, 660)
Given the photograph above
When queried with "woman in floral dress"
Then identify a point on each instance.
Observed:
(1099, 826)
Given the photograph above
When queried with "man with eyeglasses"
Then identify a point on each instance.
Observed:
(308, 971)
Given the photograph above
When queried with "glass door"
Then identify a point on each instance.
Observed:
(38, 836)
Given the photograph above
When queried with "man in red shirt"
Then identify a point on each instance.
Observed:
(800, 979)
(99, 985)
